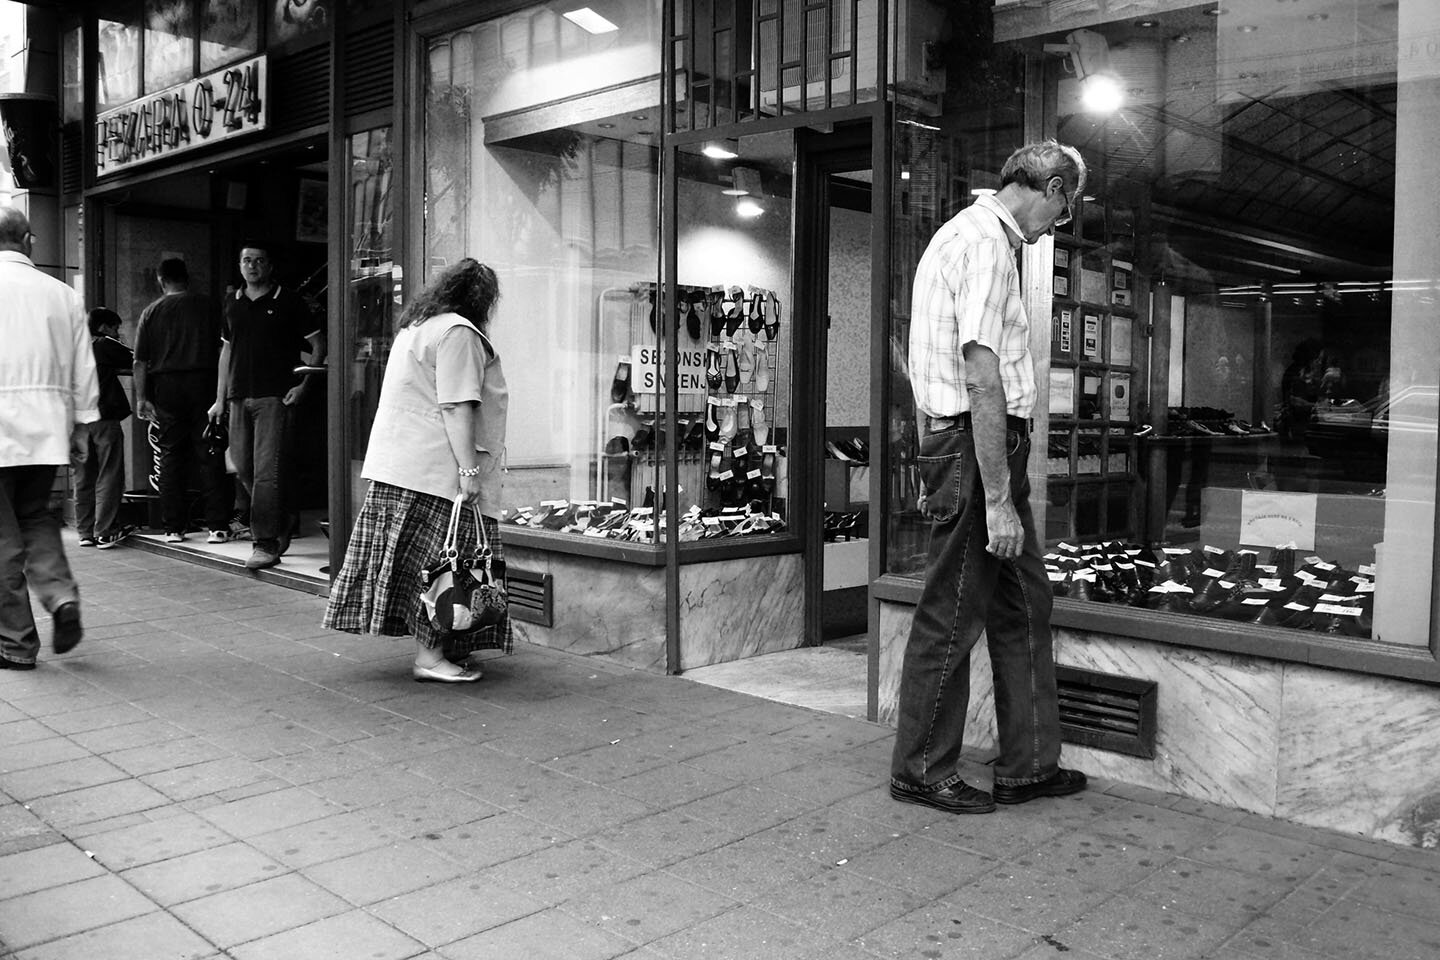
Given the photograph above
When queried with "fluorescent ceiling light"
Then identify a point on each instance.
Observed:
(1101, 94)
(748, 209)
(719, 150)
(589, 21)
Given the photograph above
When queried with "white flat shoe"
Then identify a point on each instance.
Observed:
(432, 675)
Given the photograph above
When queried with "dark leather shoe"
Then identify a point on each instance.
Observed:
(959, 797)
(1058, 784)
(67, 627)
(15, 665)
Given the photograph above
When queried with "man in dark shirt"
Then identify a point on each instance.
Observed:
(97, 449)
(176, 349)
(265, 328)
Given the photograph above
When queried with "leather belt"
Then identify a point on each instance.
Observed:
(1021, 425)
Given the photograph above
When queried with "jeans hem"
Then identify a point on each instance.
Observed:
(909, 787)
(1025, 781)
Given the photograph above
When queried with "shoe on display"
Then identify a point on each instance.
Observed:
(700, 311)
(218, 536)
(762, 372)
(174, 536)
(682, 310)
(756, 311)
(620, 386)
(732, 371)
(713, 377)
(712, 428)
(747, 362)
(694, 325)
(772, 316)
(717, 311)
(728, 423)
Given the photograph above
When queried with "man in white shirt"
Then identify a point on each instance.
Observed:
(974, 384)
(47, 386)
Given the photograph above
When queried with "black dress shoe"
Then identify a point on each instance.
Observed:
(959, 797)
(67, 627)
(15, 665)
(1058, 784)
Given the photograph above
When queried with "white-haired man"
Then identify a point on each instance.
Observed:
(974, 384)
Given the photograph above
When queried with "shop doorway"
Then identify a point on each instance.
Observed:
(203, 217)
(835, 254)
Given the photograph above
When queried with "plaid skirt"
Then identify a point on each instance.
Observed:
(397, 534)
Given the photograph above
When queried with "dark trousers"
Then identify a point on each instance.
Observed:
(968, 590)
(31, 558)
(259, 444)
(182, 400)
(97, 457)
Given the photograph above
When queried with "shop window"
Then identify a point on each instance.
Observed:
(229, 31)
(542, 146)
(170, 38)
(1240, 397)
(117, 67)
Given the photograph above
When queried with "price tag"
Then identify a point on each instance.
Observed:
(1055, 575)
(1366, 587)
(1212, 572)
(1177, 551)
(769, 448)
(753, 474)
(1255, 601)
(1224, 585)
(1271, 583)
(1296, 606)
(1337, 610)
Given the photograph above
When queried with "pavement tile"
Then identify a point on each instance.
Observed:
(405, 742)
(1100, 860)
(70, 810)
(62, 697)
(752, 760)
(42, 867)
(564, 870)
(269, 811)
(744, 932)
(153, 936)
(1268, 939)
(496, 839)
(1403, 889)
(606, 763)
(548, 935)
(426, 813)
(38, 753)
(318, 841)
(373, 785)
(818, 781)
(1046, 950)
(584, 810)
(259, 909)
(647, 907)
(154, 840)
(277, 738)
(456, 909)
(201, 779)
(679, 742)
(397, 867)
(194, 875)
(745, 869)
(1033, 900)
(32, 782)
(1129, 929)
(96, 718)
(1209, 891)
(1354, 929)
(1268, 854)
(828, 836)
(69, 909)
(547, 742)
(840, 902)
(824, 735)
(319, 763)
(343, 937)
(916, 862)
(145, 733)
(23, 730)
(169, 754)
(671, 785)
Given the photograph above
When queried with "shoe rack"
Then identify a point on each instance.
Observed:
(731, 449)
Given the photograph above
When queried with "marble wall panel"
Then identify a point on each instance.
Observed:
(1357, 753)
(732, 609)
(602, 608)
(979, 718)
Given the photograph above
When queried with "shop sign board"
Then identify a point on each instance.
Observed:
(647, 364)
(197, 113)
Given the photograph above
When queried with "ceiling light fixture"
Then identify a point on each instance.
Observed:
(721, 150)
(748, 208)
(589, 21)
(1088, 54)
(745, 182)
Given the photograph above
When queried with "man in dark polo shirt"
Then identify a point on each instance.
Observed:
(265, 328)
(176, 349)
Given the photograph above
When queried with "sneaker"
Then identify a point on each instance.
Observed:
(262, 557)
(239, 527)
(114, 538)
(87, 541)
(174, 536)
(218, 536)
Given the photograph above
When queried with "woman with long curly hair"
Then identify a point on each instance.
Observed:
(439, 432)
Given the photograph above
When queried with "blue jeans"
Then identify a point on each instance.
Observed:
(259, 441)
(98, 459)
(31, 558)
(967, 591)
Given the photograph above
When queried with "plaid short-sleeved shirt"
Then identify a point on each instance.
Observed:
(967, 288)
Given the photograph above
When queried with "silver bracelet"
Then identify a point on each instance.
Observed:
(470, 471)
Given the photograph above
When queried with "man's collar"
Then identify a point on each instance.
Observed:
(1012, 228)
(15, 256)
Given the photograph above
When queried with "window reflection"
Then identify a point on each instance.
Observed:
(169, 43)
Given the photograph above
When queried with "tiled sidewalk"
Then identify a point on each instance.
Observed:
(211, 775)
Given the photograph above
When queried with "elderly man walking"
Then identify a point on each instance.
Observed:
(47, 386)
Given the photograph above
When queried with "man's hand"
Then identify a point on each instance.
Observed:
(145, 409)
(216, 411)
(1007, 535)
(293, 396)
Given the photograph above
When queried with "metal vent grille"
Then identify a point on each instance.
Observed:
(369, 60)
(71, 149)
(300, 89)
(1106, 712)
(532, 596)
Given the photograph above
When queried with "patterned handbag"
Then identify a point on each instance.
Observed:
(462, 592)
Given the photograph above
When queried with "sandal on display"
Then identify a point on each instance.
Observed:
(732, 371)
(620, 386)
(747, 362)
(772, 316)
(762, 372)
(756, 310)
(712, 428)
(757, 411)
(734, 309)
(699, 313)
(728, 423)
(713, 377)
(683, 316)
(717, 310)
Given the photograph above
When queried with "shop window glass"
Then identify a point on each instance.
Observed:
(229, 30)
(1238, 324)
(72, 90)
(117, 68)
(299, 23)
(169, 43)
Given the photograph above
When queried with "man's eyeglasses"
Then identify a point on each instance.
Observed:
(1066, 216)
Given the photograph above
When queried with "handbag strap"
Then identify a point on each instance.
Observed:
(482, 538)
(450, 549)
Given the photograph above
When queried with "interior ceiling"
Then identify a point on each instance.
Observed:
(1307, 173)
